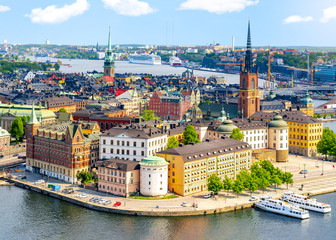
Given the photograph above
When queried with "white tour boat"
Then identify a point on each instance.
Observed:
(305, 202)
(280, 207)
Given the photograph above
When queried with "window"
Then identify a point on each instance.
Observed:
(149, 183)
(134, 152)
(173, 180)
(111, 150)
(104, 141)
(111, 142)
(134, 144)
(149, 175)
(173, 173)
(104, 150)
(142, 153)
(142, 144)
(173, 165)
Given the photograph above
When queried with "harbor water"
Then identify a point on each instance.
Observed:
(29, 215)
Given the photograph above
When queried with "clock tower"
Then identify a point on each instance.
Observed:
(249, 98)
(109, 63)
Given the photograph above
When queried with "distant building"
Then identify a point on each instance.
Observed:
(56, 103)
(4, 140)
(118, 177)
(326, 74)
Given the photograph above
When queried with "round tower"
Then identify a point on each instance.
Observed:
(278, 137)
(154, 176)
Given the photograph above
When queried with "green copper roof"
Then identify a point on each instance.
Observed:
(108, 57)
(3, 132)
(33, 119)
(227, 127)
(307, 98)
(154, 161)
(277, 122)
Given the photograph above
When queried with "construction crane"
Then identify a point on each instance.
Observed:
(306, 70)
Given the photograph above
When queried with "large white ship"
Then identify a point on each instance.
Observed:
(149, 59)
(305, 202)
(175, 62)
(280, 207)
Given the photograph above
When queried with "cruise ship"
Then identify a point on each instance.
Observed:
(280, 207)
(175, 62)
(149, 59)
(305, 202)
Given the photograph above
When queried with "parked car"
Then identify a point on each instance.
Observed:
(207, 196)
(15, 155)
(102, 201)
(24, 177)
(184, 204)
(303, 171)
(253, 198)
(68, 191)
(107, 202)
(1, 155)
(117, 204)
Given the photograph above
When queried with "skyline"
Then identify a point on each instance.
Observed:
(177, 22)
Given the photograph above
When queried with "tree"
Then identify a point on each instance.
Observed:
(263, 183)
(227, 184)
(325, 115)
(57, 66)
(17, 129)
(238, 187)
(252, 184)
(326, 145)
(190, 135)
(63, 110)
(24, 120)
(215, 184)
(148, 115)
(237, 134)
(85, 177)
(172, 142)
(287, 178)
(275, 180)
(319, 115)
(331, 115)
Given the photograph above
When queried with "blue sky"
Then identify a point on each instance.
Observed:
(178, 22)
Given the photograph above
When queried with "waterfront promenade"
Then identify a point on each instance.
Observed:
(314, 184)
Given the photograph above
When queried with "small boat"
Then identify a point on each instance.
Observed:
(269, 204)
(305, 202)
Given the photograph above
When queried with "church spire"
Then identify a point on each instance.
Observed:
(109, 40)
(33, 119)
(248, 55)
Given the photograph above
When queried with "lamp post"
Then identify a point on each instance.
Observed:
(304, 170)
(322, 167)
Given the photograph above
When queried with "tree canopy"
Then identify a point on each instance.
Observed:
(172, 142)
(85, 177)
(148, 115)
(327, 144)
(190, 135)
(237, 134)
(215, 184)
(63, 110)
(17, 129)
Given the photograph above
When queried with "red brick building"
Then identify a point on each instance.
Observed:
(168, 106)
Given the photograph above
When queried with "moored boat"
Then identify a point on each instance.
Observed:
(269, 204)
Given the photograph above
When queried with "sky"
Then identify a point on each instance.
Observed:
(169, 22)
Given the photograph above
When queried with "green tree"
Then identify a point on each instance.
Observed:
(227, 184)
(319, 115)
(148, 115)
(252, 184)
(237, 134)
(85, 177)
(57, 66)
(287, 178)
(331, 115)
(275, 180)
(325, 115)
(62, 110)
(24, 120)
(263, 183)
(238, 187)
(172, 142)
(326, 145)
(190, 135)
(215, 184)
(244, 177)
(17, 129)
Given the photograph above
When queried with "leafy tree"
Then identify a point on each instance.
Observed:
(227, 184)
(327, 143)
(263, 183)
(325, 115)
(275, 180)
(85, 177)
(62, 110)
(287, 178)
(215, 184)
(148, 115)
(238, 187)
(252, 184)
(190, 135)
(24, 120)
(237, 134)
(17, 129)
(319, 115)
(57, 66)
(172, 142)
(331, 115)
(244, 176)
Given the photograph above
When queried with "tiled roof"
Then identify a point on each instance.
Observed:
(118, 164)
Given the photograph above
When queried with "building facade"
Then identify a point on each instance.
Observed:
(56, 103)
(118, 177)
(190, 166)
(132, 142)
(4, 140)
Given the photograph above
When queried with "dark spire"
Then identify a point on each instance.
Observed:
(248, 55)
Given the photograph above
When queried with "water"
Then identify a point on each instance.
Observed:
(28, 215)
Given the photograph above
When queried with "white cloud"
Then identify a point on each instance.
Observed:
(4, 8)
(52, 14)
(328, 14)
(297, 18)
(217, 6)
(129, 7)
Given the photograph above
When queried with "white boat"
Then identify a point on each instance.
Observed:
(175, 62)
(305, 202)
(149, 59)
(280, 207)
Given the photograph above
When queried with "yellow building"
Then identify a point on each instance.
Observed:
(191, 165)
(304, 131)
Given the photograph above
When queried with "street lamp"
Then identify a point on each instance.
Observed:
(322, 167)
(304, 170)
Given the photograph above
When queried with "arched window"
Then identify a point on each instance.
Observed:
(107, 125)
(244, 83)
(102, 125)
(253, 83)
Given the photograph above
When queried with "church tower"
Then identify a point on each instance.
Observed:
(109, 63)
(249, 98)
(31, 129)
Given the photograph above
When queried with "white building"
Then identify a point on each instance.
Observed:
(154, 176)
(132, 142)
(30, 76)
